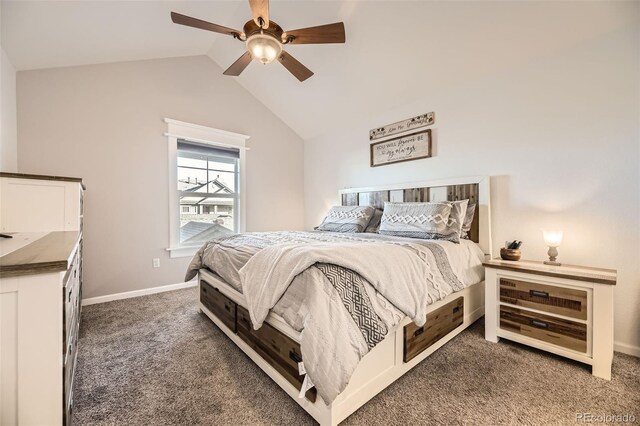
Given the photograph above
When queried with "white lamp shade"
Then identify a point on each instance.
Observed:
(264, 48)
(552, 238)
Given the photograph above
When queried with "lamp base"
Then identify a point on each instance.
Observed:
(551, 262)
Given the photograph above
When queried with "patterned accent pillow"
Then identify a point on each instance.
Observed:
(346, 219)
(415, 220)
(468, 220)
(374, 223)
(456, 220)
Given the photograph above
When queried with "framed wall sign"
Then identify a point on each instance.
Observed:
(402, 126)
(403, 148)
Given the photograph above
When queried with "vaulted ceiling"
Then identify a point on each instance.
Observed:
(396, 52)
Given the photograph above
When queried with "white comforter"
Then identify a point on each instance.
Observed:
(269, 273)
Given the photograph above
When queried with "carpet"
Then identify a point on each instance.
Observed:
(155, 360)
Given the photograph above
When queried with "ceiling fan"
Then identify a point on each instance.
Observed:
(265, 39)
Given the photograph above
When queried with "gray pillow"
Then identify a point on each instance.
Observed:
(456, 220)
(416, 220)
(374, 223)
(346, 219)
(468, 220)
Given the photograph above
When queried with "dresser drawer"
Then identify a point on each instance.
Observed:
(561, 332)
(280, 351)
(439, 323)
(70, 358)
(71, 295)
(219, 305)
(556, 300)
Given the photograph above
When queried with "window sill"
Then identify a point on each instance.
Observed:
(183, 251)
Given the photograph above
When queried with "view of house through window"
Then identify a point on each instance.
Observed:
(208, 182)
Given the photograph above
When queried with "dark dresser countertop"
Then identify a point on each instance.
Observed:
(50, 253)
(42, 177)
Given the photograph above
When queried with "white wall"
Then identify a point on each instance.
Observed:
(560, 136)
(8, 123)
(104, 123)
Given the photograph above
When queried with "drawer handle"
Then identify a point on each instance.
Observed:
(456, 309)
(295, 357)
(538, 293)
(418, 332)
(204, 289)
(539, 324)
(227, 307)
(70, 295)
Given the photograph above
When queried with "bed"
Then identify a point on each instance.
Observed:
(252, 286)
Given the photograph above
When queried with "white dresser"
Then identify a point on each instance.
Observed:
(40, 294)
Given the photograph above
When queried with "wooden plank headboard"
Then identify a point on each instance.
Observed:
(476, 189)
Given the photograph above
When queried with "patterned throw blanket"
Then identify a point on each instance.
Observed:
(350, 287)
(343, 292)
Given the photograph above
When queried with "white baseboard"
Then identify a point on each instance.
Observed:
(626, 349)
(138, 293)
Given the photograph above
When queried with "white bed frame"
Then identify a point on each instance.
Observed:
(385, 363)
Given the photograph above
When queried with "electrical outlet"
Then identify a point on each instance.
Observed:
(156, 262)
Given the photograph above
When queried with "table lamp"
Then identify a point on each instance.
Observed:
(553, 239)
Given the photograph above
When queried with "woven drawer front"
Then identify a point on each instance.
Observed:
(556, 300)
(219, 305)
(561, 332)
(439, 323)
(280, 351)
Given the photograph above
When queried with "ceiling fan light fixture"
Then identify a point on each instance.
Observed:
(264, 48)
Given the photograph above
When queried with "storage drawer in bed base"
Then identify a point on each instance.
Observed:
(439, 323)
(219, 305)
(280, 351)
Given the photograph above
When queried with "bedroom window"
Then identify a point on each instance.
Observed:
(208, 181)
(206, 172)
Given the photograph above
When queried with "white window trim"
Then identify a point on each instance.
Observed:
(205, 135)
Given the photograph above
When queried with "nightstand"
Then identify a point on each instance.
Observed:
(566, 310)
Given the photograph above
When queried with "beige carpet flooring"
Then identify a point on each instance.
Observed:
(155, 360)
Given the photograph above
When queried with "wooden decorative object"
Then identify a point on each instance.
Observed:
(403, 148)
(402, 126)
(510, 254)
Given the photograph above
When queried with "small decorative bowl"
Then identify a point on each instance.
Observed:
(510, 254)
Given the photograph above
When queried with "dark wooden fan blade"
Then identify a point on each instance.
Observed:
(330, 33)
(295, 67)
(239, 65)
(260, 9)
(203, 25)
